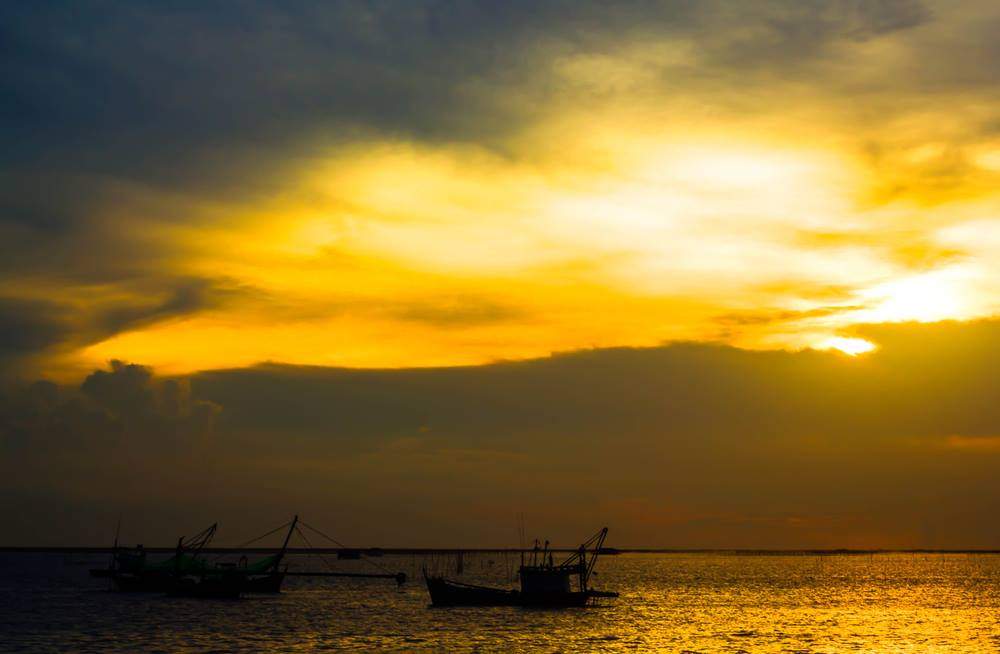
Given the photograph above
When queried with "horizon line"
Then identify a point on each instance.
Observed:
(608, 551)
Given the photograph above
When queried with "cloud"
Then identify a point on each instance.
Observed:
(428, 182)
(187, 296)
(206, 96)
(122, 438)
(28, 325)
(32, 329)
(144, 145)
(458, 312)
(716, 446)
(786, 37)
(28, 328)
(112, 410)
(752, 318)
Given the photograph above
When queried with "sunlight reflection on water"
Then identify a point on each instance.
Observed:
(674, 602)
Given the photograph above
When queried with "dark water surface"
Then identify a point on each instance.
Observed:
(669, 602)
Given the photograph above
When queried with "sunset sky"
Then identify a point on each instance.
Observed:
(748, 238)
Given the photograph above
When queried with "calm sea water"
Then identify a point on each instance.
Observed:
(672, 602)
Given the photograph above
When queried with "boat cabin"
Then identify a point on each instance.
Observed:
(535, 579)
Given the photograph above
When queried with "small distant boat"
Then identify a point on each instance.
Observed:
(543, 583)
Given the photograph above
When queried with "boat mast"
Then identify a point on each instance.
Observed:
(601, 535)
(177, 556)
(114, 548)
(195, 544)
(284, 546)
(579, 560)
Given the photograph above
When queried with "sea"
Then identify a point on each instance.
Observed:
(674, 602)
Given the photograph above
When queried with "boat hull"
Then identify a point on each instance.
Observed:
(448, 593)
(264, 584)
(167, 583)
(143, 582)
(216, 586)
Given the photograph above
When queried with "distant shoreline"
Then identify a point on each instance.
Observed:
(501, 550)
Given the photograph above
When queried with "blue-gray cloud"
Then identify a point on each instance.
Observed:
(206, 93)
(31, 329)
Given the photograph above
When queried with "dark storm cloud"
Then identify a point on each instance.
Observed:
(716, 446)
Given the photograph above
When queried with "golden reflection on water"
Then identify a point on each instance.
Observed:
(809, 603)
(670, 603)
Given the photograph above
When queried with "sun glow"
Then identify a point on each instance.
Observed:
(410, 255)
(741, 168)
(926, 297)
(849, 346)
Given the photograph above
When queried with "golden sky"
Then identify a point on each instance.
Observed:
(395, 255)
(766, 175)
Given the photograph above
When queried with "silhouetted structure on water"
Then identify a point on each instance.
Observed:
(543, 583)
(188, 574)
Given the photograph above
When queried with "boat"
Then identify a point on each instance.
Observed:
(108, 572)
(543, 582)
(221, 583)
(187, 574)
(267, 575)
(130, 572)
(232, 580)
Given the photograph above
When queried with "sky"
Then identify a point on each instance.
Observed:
(715, 274)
